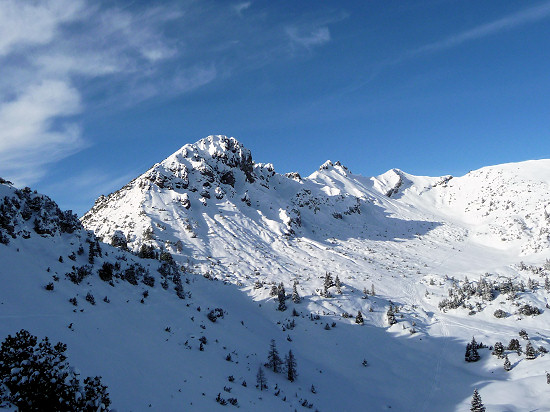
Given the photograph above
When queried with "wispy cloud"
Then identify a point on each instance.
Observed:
(61, 57)
(509, 22)
(309, 38)
(240, 7)
(47, 49)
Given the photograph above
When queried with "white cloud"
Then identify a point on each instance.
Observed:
(521, 18)
(24, 23)
(240, 7)
(47, 48)
(28, 138)
(309, 38)
(59, 57)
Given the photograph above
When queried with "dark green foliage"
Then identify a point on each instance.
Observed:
(338, 285)
(36, 377)
(530, 352)
(91, 253)
(359, 318)
(214, 314)
(148, 280)
(514, 345)
(529, 310)
(261, 381)
(498, 350)
(471, 352)
(281, 297)
(507, 364)
(477, 404)
(295, 296)
(166, 257)
(290, 366)
(119, 240)
(391, 316)
(106, 271)
(499, 313)
(90, 298)
(523, 334)
(274, 361)
(78, 274)
(146, 252)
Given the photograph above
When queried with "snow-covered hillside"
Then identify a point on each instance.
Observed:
(429, 262)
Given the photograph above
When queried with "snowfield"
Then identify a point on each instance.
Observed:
(441, 254)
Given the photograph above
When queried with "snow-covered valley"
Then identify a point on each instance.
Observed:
(428, 262)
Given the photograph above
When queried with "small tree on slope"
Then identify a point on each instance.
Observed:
(477, 404)
(274, 361)
(530, 352)
(507, 364)
(261, 381)
(295, 296)
(471, 352)
(290, 366)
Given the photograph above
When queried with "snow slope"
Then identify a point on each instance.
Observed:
(238, 228)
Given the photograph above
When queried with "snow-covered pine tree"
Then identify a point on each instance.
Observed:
(471, 352)
(281, 297)
(530, 352)
(274, 361)
(477, 404)
(391, 316)
(359, 318)
(290, 366)
(523, 334)
(295, 296)
(507, 364)
(37, 376)
(498, 350)
(338, 285)
(91, 254)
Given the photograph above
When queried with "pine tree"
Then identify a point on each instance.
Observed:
(338, 285)
(547, 284)
(261, 381)
(530, 352)
(273, 291)
(290, 366)
(391, 316)
(36, 376)
(477, 404)
(507, 364)
(471, 352)
(514, 345)
(274, 361)
(91, 254)
(372, 290)
(548, 378)
(498, 350)
(328, 283)
(281, 297)
(359, 318)
(295, 296)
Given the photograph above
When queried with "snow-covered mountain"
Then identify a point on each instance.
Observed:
(429, 262)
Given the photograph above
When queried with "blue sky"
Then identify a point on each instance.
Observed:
(94, 93)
